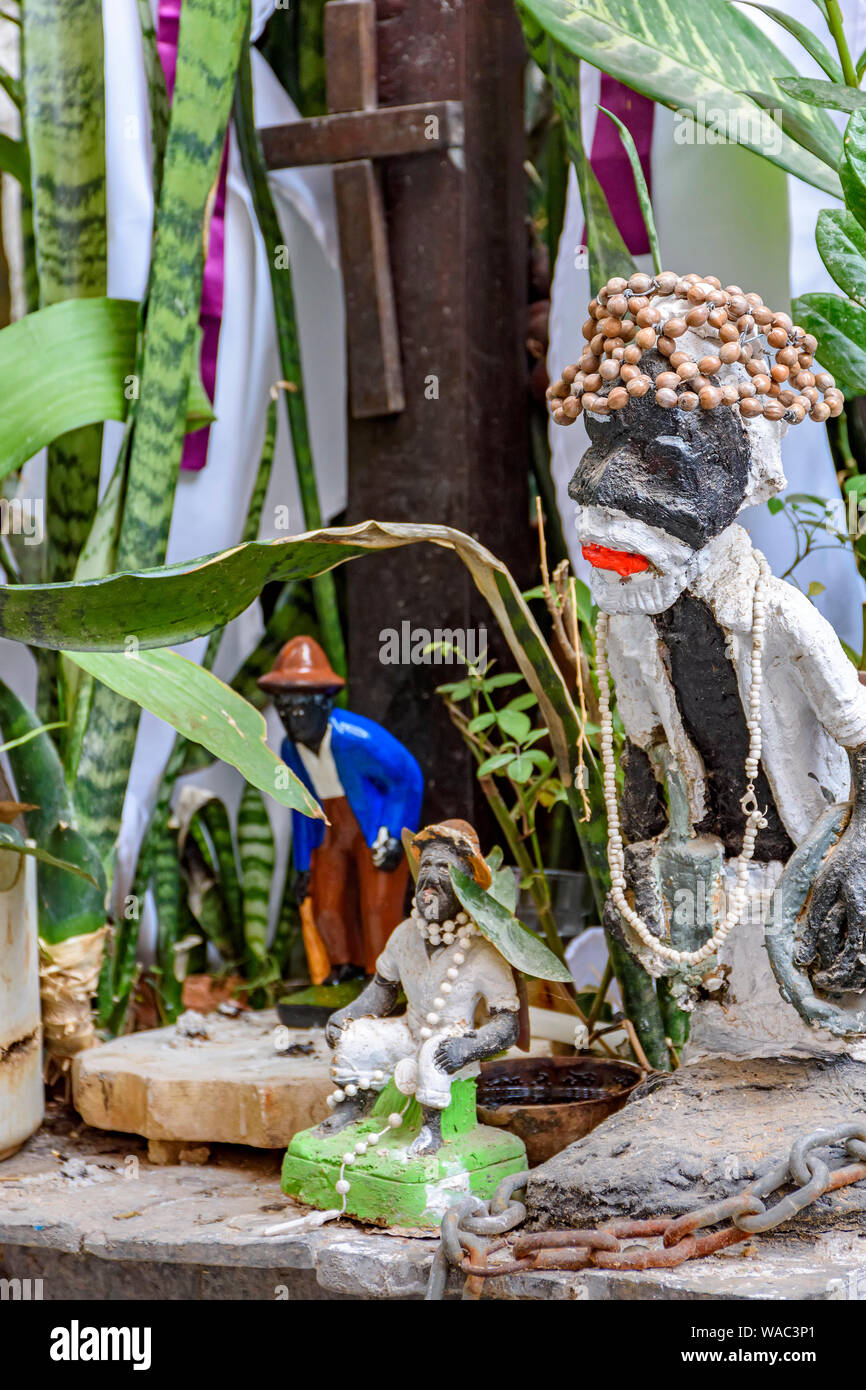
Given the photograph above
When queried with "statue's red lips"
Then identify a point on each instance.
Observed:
(623, 561)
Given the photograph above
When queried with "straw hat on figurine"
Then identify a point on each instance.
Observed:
(463, 837)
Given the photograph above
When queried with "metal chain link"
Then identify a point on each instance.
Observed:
(474, 1231)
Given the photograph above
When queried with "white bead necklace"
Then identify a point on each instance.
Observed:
(755, 819)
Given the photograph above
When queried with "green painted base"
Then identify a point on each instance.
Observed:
(388, 1185)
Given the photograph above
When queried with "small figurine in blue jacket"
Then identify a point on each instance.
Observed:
(351, 875)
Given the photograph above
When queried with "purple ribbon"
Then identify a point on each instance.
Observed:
(610, 161)
(213, 286)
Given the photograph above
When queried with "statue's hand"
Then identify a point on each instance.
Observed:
(335, 1025)
(833, 944)
(387, 853)
(454, 1053)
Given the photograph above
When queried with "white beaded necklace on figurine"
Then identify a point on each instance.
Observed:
(755, 819)
(459, 933)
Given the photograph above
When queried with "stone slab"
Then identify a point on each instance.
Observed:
(701, 1134)
(84, 1211)
(230, 1087)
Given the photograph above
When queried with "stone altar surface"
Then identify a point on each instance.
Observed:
(230, 1087)
(86, 1213)
(702, 1133)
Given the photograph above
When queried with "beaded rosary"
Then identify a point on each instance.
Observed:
(624, 324)
(755, 818)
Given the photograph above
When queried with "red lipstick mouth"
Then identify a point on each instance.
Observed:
(624, 562)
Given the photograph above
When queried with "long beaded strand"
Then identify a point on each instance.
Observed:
(755, 820)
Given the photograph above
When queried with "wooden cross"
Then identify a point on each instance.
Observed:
(356, 133)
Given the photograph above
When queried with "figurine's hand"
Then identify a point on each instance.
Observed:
(335, 1025)
(834, 941)
(301, 886)
(387, 852)
(454, 1053)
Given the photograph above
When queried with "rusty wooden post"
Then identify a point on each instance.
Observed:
(373, 345)
(457, 454)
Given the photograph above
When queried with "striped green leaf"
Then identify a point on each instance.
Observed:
(256, 853)
(65, 127)
(697, 59)
(290, 353)
(209, 47)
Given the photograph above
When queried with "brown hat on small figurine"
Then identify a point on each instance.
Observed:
(464, 838)
(301, 665)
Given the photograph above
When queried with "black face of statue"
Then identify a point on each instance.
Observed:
(682, 471)
(305, 714)
(434, 891)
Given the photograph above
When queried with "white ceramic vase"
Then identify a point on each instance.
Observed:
(21, 1090)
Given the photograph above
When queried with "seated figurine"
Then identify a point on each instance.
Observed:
(402, 1141)
(446, 968)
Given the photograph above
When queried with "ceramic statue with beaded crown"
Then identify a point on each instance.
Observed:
(402, 1141)
(737, 842)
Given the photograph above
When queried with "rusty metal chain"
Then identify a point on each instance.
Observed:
(475, 1232)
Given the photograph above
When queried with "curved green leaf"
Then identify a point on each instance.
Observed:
(828, 149)
(85, 349)
(70, 906)
(812, 44)
(11, 839)
(691, 58)
(203, 709)
(823, 94)
(520, 947)
(842, 247)
(840, 328)
(640, 184)
(852, 170)
(36, 767)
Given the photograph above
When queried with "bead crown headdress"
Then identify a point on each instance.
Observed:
(629, 318)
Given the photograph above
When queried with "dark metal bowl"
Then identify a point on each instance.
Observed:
(551, 1101)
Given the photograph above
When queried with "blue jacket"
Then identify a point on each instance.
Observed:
(382, 781)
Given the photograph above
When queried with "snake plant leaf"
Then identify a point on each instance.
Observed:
(178, 602)
(841, 242)
(14, 159)
(12, 840)
(257, 855)
(840, 328)
(823, 94)
(209, 47)
(35, 766)
(812, 44)
(63, 63)
(255, 170)
(70, 906)
(520, 947)
(203, 709)
(691, 58)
